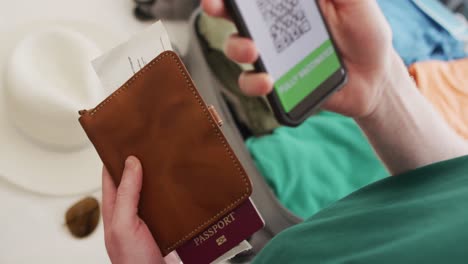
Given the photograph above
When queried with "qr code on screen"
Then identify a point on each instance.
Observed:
(286, 21)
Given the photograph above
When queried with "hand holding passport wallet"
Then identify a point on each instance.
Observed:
(195, 193)
(190, 172)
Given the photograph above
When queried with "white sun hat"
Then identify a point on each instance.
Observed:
(45, 78)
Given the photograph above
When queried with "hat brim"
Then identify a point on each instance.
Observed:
(35, 168)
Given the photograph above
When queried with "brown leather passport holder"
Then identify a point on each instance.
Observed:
(191, 177)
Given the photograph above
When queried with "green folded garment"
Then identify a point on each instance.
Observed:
(317, 163)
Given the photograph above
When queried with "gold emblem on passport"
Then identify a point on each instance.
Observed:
(221, 240)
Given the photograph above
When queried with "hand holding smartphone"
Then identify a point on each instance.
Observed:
(296, 49)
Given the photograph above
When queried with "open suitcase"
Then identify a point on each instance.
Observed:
(276, 216)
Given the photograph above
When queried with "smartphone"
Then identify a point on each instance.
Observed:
(296, 49)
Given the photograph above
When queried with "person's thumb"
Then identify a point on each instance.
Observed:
(128, 192)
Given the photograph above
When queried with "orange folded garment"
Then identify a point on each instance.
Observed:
(445, 84)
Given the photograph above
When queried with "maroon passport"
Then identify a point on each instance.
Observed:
(222, 236)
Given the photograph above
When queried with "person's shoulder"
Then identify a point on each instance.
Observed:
(351, 226)
(294, 245)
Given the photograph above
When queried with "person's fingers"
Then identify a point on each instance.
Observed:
(108, 197)
(128, 192)
(328, 9)
(255, 84)
(240, 49)
(215, 8)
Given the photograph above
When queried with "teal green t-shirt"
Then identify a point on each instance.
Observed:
(417, 217)
(313, 165)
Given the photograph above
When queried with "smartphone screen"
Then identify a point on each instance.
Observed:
(294, 45)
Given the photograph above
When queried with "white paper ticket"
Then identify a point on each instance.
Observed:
(119, 64)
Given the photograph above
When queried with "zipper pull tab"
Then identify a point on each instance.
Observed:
(215, 115)
(82, 112)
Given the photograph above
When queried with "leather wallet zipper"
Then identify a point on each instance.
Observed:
(84, 111)
(211, 109)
